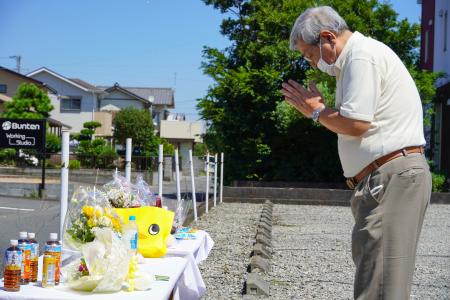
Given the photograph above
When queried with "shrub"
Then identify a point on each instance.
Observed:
(106, 157)
(7, 156)
(438, 181)
(52, 143)
(74, 164)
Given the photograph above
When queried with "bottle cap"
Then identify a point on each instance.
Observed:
(14, 242)
(132, 218)
(53, 236)
(31, 235)
(23, 234)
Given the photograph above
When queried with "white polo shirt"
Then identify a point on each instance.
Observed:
(373, 84)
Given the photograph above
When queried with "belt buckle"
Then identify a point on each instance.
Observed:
(351, 183)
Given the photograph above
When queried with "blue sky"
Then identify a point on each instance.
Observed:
(132, 42)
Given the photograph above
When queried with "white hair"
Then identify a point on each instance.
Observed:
(312, 21)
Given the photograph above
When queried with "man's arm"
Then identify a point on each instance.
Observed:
(307, 100)
(332, 120)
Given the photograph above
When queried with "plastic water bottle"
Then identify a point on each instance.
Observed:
(53, 247)
(25, 246)
(132, 234)
(13, 265)
(34, 256)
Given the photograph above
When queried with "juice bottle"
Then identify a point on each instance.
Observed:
(34, 256)
(53, 247)
(48, 271)
(13, 266)
(25, 246)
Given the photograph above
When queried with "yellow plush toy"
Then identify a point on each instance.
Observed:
(154, 225)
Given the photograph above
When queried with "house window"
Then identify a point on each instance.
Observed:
(71, 104)
(3, 89)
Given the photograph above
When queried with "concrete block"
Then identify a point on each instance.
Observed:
(260, 263)
(260, 250)
(266, 221)
(256, 286)
(267, 211)
(267, 214)
(264, 232)
(266, 217)
(265, 226)
(262, 239)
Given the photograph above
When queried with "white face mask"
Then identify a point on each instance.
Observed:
(323, 65)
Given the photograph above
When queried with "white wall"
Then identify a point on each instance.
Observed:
(120, 100)
(74, 119)
(442, 59)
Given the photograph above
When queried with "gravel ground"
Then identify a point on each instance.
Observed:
(312, 254)
(233, 228)
(312, 257)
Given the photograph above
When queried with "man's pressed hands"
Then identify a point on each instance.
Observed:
(304, 100)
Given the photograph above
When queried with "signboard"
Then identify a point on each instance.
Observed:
(22, 134)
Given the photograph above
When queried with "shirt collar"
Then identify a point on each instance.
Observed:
(348, 45)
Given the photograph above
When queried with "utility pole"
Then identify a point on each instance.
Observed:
(18, 59)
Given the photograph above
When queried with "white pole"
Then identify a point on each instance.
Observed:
(194, 199)
(215, 179)
(207, 182)
(177, 170)
(160, 171)
(128, 160)
(221, 176)
(64, 178)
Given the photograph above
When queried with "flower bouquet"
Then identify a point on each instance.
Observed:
(88, 209)
(97, 258)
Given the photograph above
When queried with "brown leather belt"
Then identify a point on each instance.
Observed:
(353, 181)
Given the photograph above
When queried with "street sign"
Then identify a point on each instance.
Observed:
(23, 134)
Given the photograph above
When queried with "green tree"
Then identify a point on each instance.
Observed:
(29, 102)
(88, 130)
(263, 138)
(136, 124)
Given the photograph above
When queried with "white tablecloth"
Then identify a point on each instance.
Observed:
(194, 251)
(198, 248)
(183, 282)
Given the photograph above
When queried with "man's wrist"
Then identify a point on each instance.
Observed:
(316, 113)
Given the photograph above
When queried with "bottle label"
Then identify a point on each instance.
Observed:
(52, 248)
(34, 251)
(133, 241)
(13, 260)
(55, 251)
(26, 251)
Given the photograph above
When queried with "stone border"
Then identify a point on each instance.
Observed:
(302, 196)
(255, 286)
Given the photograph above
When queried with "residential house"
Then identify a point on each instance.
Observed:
(75, 101)
(157, 100)
(9, 83)
(435, 56)
(182, 134)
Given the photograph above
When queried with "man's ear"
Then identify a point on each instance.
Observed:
(329, 36)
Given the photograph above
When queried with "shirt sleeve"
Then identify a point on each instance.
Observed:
(361, 90)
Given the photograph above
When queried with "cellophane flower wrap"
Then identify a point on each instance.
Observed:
(88, 209)
(121, 193)
(96, 257)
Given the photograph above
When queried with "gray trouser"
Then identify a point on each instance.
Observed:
(389, 206)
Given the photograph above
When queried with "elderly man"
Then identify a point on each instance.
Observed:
(379, 123)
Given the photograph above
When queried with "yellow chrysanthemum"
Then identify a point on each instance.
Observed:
(90, 222)
(98, 213)
(88, 211)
